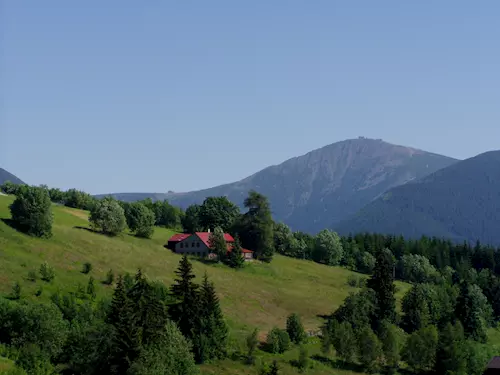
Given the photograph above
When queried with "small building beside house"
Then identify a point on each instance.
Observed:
(493, 367)
(197, 244)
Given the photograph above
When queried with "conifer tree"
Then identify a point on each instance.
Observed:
(91, 288)
(451, 355)
(126, 335)
(186, 310)
(295, 329)
(235, 257)
(382, 282)
(214, 328)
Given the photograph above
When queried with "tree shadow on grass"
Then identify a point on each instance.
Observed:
(94, 231)
(322, 316)
(11, 223)
(338, 364)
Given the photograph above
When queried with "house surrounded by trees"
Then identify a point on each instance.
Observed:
(198, 244)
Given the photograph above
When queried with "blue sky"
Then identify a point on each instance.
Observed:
(113, 96)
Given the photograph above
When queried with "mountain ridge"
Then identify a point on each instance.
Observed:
(7, 176)
(460, 202)
(323, 186)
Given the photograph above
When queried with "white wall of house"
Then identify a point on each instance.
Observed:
(192, 245)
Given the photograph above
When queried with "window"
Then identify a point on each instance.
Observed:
(197, 244)
(182, 245)
(192, 244)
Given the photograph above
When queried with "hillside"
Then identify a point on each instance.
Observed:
(324, 186)
(460, 202)
(261, 295)
(6, 176)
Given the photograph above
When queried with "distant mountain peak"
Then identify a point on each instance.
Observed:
(312, 191)
(7, 176)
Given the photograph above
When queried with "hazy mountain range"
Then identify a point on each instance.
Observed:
(325, 186)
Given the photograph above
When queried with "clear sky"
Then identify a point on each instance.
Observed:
(121, 96)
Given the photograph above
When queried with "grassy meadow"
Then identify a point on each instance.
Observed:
(258, 296)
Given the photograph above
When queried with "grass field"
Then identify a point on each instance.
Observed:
(259, 296)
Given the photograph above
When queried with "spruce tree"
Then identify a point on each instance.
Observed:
(295, 329)
(186, 310)
(126, 341)
(382, 282)
(91, 288)
(451, 355)
(214, 328)
(235, 257)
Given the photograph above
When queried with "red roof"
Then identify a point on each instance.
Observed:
(230, 247)
(179, 237)
(204, 236)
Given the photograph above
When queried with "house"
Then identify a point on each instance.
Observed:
(493, 367)
(198, 244)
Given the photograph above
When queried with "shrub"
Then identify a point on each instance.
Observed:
(352, 281)
(87, 267)
(278, 341)
(108, 217)
(39, 292)
(110, 277)
(16, 291)
(47, 272)
(32, 275)
(32, 211)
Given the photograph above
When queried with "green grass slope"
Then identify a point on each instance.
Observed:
(259, 296)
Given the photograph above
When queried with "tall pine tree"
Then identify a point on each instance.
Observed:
(126, 340)
(235, 257)
(214, 329)
(185, 311)
(382, 282)
(218, 244)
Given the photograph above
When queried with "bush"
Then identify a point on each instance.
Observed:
(108, 217)
(32, 275)
(32, 212)
(47, 272)
(87, 267)
(39, 292)
(278, 341)
(16, 292)
(110, 277)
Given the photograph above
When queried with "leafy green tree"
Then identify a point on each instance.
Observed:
(217, 244)
(32, 211)
(108, 217)
(78, 199)
(10, 188)
(56, 195)
(140, 220)
(358, 309)
(370, 351)
(328, 248)
(214, 327)
(165, 214)
(295, 328)
(451, 355)
(382, 283)
(473, 311)
(252, 342)
(416, 268)
(16, 291)
(191, 219)
(344, 341)
(110, 277)
(284, 241)
(34, 360)
(47, 272)
(420, 349)
(277, 341)
(255, 227)
(218, 212)
(170, 355)
(415, 308)
(392, 338)
(235, 257)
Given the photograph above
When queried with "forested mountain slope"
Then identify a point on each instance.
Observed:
(460, 202)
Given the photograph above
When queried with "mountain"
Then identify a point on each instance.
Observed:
(460, 202)
(324, 186)
(6, 176)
